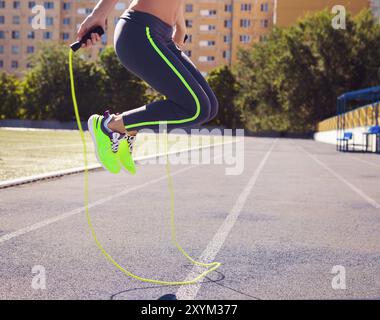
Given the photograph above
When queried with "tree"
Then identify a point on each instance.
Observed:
(223, 83)
(46, 88)
(298, 73)
(123, 90)
(10, 96)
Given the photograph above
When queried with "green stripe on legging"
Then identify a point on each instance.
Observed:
(182, 80)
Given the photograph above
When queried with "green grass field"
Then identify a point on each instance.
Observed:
(29, 152)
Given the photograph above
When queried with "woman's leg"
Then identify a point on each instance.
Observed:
(199, 77)
(142, 52)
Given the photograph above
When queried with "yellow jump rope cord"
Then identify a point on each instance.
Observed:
(213, 266)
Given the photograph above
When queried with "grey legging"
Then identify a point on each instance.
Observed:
(145, 47)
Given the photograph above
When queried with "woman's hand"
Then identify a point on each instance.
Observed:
(179, 38)
(89, 23)
(180, 28)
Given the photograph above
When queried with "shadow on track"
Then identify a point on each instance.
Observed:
(172, 296)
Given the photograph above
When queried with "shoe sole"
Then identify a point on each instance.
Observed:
(91, 130)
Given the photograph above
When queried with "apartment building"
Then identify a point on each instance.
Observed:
(20, 37)
(375, 7)
(289, 11)
(217, 28)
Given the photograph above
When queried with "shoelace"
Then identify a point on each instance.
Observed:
(131, 142)
(115, 141)
(117, 138)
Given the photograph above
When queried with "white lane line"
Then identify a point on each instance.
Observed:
(367, 198)
(65, 215)
(189, 292)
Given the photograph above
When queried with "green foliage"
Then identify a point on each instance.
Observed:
(287, 83)
(46, 87)
(225, 87)
(123, 90)
(292, 81)
(10, 96)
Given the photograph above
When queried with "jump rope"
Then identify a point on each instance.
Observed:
(212, 266)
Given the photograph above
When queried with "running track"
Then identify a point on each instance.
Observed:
(298, 209)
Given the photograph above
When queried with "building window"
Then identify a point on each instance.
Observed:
(49, 5)
(207, 43)
(246, 7)
(207, 27)
(66, 6)
(1, 49)
(104, 39)
(30, 35)
(245, 23)
(120, 6)
(245, 38)
(2, 19)
(226, 54)
(2, 4)
(208, 13)
(31, 4)
(16, 20)
(49, 21)
(15, 34)
(1, 64)
(15, 49)
(264, 23)
(14, 64)
(66, 21)
(189, 23)
(228, 8)
(228, 24)
(16, 5)
(2, 35)
(227, 38)
(206, 58)
(264, 7)
(29, 49)
(47, 35)
(189, 8)
(65, 36)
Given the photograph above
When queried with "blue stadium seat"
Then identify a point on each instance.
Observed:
(374, 130)
(346, 139)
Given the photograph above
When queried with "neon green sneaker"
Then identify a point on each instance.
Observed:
(125, 153)
(106, 142)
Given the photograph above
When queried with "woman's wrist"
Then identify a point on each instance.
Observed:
(99, 15)
(103, 9)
